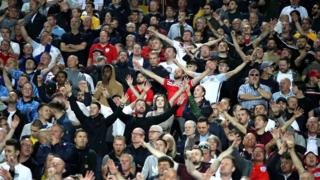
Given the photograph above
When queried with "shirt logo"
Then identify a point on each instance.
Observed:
(106, 50)
(263, 169)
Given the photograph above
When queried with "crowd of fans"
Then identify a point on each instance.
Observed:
(160, 89)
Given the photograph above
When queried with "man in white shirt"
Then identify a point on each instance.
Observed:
(169, 65)
(44, 45)
(294, 5)
(5, 35)
(16, 170)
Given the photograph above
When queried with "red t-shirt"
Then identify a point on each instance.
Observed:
(316, 173)
(4, 58)
(109, 51)
(259, 172)
(146, 50)
(172, 88)
(132, 97)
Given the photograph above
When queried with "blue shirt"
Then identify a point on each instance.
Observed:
(248, 89)
(29, 109)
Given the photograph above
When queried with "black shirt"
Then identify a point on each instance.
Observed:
(75, 39)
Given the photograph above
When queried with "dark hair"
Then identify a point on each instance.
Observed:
(300, 85)
(96, 103)
(14, 143)
(79, 131)
(246, 110)
(174, 49)
(165, 159)
(37, 123)
(63, 72)
(41, 106)
(202, 119)
(264, 117)
(57, 105)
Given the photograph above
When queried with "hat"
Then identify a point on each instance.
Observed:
(313, 73)
(265, 64)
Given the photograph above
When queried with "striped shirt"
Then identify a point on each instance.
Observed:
(248, 89)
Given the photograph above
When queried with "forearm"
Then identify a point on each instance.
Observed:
(153, 151)
(234, 122)
(134, 91)
(192, 170)
(257, 41)
(152, 75)
(199, 78)
(237, 47)
(264, 94)
(7, 81)
(287, 124)
(236, 70)
(78, 47)
(249, 97)
(296, 161)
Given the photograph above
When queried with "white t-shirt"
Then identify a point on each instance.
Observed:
(15, 46)
(170, 68)
(212, 84)
(39, 48)
(281, 76)
(21, 171)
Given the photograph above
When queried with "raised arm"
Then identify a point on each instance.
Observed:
(296, 114)
(24, 33)
(242, 55)
(161, 36)
(6, 79)
(129, 81)
(295, 159)
(263, 35)
(184, 68)
(233, 120)
(149, 73)
(196, 80)
(236, 70)
(176, 95)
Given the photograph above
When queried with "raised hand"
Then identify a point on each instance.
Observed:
(15, 121)
(276, 133)
(68, 89)
(129, 79)
(298, 112)
(147, 86)
(89, 176)
(139, 176)
(208, 174)
(112, 166)
(136, 65)
(289, 140)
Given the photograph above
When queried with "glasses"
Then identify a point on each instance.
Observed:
(204, 146)
(257, 75)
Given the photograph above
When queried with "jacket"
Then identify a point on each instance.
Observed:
(96, 127)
